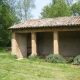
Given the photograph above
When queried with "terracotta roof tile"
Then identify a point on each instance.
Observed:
(48, 22)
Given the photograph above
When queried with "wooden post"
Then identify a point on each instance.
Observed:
(55, 43)
(33, 42)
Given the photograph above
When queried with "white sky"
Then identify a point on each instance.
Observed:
(39, 5)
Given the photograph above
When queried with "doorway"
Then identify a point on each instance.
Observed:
(28, 44)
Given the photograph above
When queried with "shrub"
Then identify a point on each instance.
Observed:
(70, 60)
(49, 58)
(33, 57)
(56, 58)
(76, 60)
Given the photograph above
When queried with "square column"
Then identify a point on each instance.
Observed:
(14, 43)
(55, 43)
(33, 43)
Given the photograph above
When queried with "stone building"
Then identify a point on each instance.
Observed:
(47, 36)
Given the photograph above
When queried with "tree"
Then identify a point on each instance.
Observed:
(19, 10)
(11, 12)
(7, 18)
(57, 1)
(76, 8)
(69, 2)
(24, 8)
(58, 8)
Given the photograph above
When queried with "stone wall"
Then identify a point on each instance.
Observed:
(45, 43)
(69, 43)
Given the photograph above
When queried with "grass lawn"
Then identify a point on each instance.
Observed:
(26, 69)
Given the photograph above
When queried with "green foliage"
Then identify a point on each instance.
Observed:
(55, 58)
(76, 60)
(3, 49)
(61, 8)
(5, 37)
(33, 57)
(76, 8)
(56, 9)
(24, 8)
(57, 1)
(69, 2)
(7, 19)
(49, 58)
(70, 60)
(9, 15)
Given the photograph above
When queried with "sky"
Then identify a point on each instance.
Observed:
(39, 5)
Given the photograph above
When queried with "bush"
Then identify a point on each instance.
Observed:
(56, 58)
(76, 60)
(33, 57)
(49, 58)
(70, 60)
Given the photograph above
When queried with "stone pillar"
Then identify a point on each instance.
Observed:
(14, 43)
(33, 42)
(55, 43)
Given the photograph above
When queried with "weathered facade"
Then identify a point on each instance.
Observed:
(47, 36)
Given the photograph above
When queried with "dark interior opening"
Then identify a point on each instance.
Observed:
(28, 44)
(44, 44)
(69, 43)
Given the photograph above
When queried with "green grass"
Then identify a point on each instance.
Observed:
(26, 69)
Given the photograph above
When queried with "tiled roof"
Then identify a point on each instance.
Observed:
(48, 22)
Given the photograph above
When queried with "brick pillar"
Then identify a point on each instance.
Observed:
(33, 42)
(55, 43)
